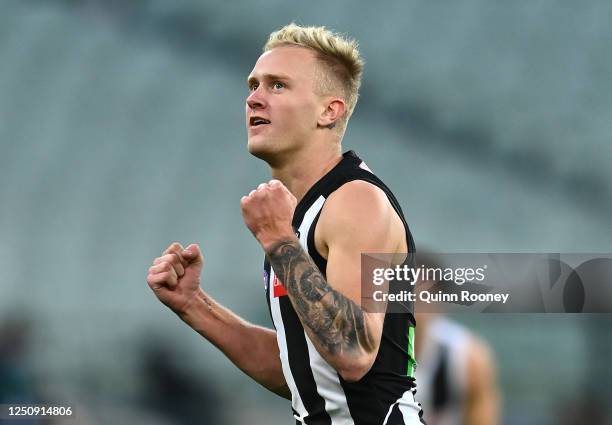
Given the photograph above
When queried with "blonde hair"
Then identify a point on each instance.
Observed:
(339, 55)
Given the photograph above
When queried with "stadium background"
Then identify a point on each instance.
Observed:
(121, 130)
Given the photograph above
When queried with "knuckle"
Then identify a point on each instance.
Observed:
(153, 279)
(173, 247)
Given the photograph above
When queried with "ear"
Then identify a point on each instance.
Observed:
(333, 112)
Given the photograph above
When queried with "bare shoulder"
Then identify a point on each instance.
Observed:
(356, 200)
(360, 213)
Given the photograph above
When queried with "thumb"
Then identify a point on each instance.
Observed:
(193, 254)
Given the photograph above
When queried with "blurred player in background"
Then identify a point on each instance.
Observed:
(336, 363)
(456, 369)
(456, 374)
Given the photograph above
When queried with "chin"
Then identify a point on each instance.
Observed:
(259, 149)
(266, 150)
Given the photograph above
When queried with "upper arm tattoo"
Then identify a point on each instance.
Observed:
(336, 321)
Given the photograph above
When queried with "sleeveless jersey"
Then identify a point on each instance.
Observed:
(385, 395)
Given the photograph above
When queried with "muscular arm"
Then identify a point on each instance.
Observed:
(253, 349)
(339, 328)
(346, 336)
(175, 279)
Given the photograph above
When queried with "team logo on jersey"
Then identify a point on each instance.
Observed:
(278, 288)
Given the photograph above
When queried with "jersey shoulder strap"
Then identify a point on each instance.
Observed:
(350, 168)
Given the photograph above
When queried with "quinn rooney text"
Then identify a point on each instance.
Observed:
(431, 297)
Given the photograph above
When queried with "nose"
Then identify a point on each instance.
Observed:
(256, 99)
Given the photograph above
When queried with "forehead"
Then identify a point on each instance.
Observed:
(291, 61)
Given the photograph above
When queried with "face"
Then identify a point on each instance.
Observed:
(282, 107)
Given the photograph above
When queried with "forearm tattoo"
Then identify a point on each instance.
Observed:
(334, 320)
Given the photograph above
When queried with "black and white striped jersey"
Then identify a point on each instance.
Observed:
(385, 395)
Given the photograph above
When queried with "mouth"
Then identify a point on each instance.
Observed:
(258, 121)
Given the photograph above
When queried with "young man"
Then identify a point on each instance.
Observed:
(337, 363)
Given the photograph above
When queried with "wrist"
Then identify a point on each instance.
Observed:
(269, 245)
(198, 302)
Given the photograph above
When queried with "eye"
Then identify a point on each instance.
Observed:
(277, 85)
(253, 86)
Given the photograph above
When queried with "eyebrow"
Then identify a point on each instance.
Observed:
(264, 77)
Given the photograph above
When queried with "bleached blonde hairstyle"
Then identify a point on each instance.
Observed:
(339, 55)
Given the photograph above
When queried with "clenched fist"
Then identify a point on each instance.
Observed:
(268, 213)
(175, 276)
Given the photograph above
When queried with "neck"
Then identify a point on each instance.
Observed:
(300, 172)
